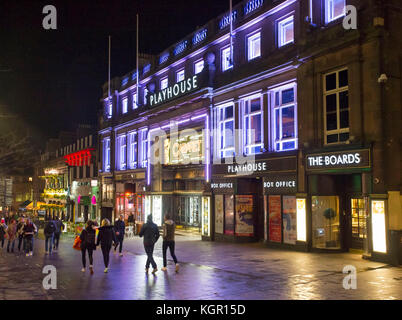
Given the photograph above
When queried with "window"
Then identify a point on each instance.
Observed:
(133, 150)
(198, 66)
(164, 83)
(285, 31)
(106, 154)
(284, 115)
(109, 109)
(145, 95)
(122, 149)
(226, 131)
(225, 57)
(143, 148)
(336, 107)
(334, 9)
(124, 105)
(135, 104)
(254, 46)
(180, 75)
(252, 125)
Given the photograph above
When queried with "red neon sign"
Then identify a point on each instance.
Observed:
(79, 158)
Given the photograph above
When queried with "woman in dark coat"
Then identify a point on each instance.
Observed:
(106, 237)
(88, 244)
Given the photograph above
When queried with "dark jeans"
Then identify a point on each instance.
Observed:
(21, 240)
(12, 245)
(90, 253)
(2, 242)
(119, 243)
(49, 243)
(149, 249)
(106, 252)
(28, 244)
(165, 246)
(56, 240)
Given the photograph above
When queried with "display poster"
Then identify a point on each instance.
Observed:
(244, 216)
(229, 214)
(265, 218)
(157, 210)
(378, 226)
(205, 216)
(219, 213)
(275, 225)
(289, 219)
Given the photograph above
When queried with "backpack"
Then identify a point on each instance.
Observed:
(49, 229)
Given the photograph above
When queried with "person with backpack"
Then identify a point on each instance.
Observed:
(150, 232)
(120, 229)
(28, 231)
(106, 237)
(11, 233)
(87, 237)
(49, 231)
(59, 228)
(168, 241)
(3, 229)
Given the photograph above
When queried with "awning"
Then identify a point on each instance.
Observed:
(25, 204)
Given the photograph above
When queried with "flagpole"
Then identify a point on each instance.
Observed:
(231, 32)
(138, 76)
(108, 94)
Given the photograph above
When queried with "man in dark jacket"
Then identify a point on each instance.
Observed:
(59, 228)
(150, 232)
(120, 229)
(49, 231)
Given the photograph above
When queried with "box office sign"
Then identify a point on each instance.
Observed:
(280, 184)
(223, 186)
(339, 160)
(256, 167)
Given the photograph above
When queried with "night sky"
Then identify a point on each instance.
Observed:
(51, 79)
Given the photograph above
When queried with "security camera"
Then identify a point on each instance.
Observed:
(383, 78)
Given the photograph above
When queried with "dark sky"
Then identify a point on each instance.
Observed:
(52, 79)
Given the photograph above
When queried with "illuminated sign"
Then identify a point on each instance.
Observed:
(343, 159)
(80, 158)
(280, 184)
(301, 219)
(52, 172)
(252, 5)
(186, 149)
(180, 47)
(200, 36)
(163, 58)
(225, 21)
(378, 226)
(124, 81)
(171, 92)
(247, 168)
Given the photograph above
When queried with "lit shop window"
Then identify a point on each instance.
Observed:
(122, 149)
(164, 83)
(334, 9)
(180, 75)
(135, 104)
(133, 150)
(106, 155)
(124, 105)
(285, 31)
(283, 101)
(225, 130)
(254, 46)
(145, 95)
(143, 148)
(225, 58)
(198, 66)
(252, 125)
(336, 107)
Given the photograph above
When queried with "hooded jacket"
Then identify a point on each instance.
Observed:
(88, 236)
(150, 232)
(120, 227)
(168, 230)
(106, 236)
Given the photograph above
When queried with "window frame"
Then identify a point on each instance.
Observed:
(122, 154)
(328, 19)
(134, 101)
(145, 95)
(132, 151)
(195, 65)
(106, 154)
(336, 91)
(166, 78)
(143, 161)
(280, 24)
(222, 64)
(178, 72)
(124, 105)
(246, 118)
(252, 37)
(221, 149)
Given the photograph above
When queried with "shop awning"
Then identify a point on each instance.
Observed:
(25, 204)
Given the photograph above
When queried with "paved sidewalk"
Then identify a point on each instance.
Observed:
(209, 270)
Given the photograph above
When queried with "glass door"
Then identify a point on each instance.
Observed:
(326, 226)
(358, 217)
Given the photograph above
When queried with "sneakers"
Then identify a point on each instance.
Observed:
(91, 269)
(83, 270)
(177, 267)
(105, 271)
(146, 270)
(154, 270)
(31, 253)
(27, 255)
(164, 269)
(120, 254)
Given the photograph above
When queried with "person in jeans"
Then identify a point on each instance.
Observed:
(106, 237)
(20, 233)
(59, 228)
(3, 230)
(168, 241)
(29, 231)
(150, 232)
(120, 229)
(11, 233)
(88, 244)
(49, 231)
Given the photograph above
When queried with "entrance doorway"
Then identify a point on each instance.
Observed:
(189, 211)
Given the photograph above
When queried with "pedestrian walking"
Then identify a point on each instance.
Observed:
(106, 238)
(150, 232)
(120, 229)
(29, 231)
(49, 231)
(20, 233)
(59, 229)
(3, 229)
(88, 244)
(168, 241)
(11, 234)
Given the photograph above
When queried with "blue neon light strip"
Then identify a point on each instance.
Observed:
(124, 81)
(163, 58)
(147, 68)
(200, 36)
(180, 47)
(225, 21)
(252, 5)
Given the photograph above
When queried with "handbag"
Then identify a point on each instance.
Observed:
(77, 243)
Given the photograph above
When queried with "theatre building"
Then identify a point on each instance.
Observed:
(284, 130)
